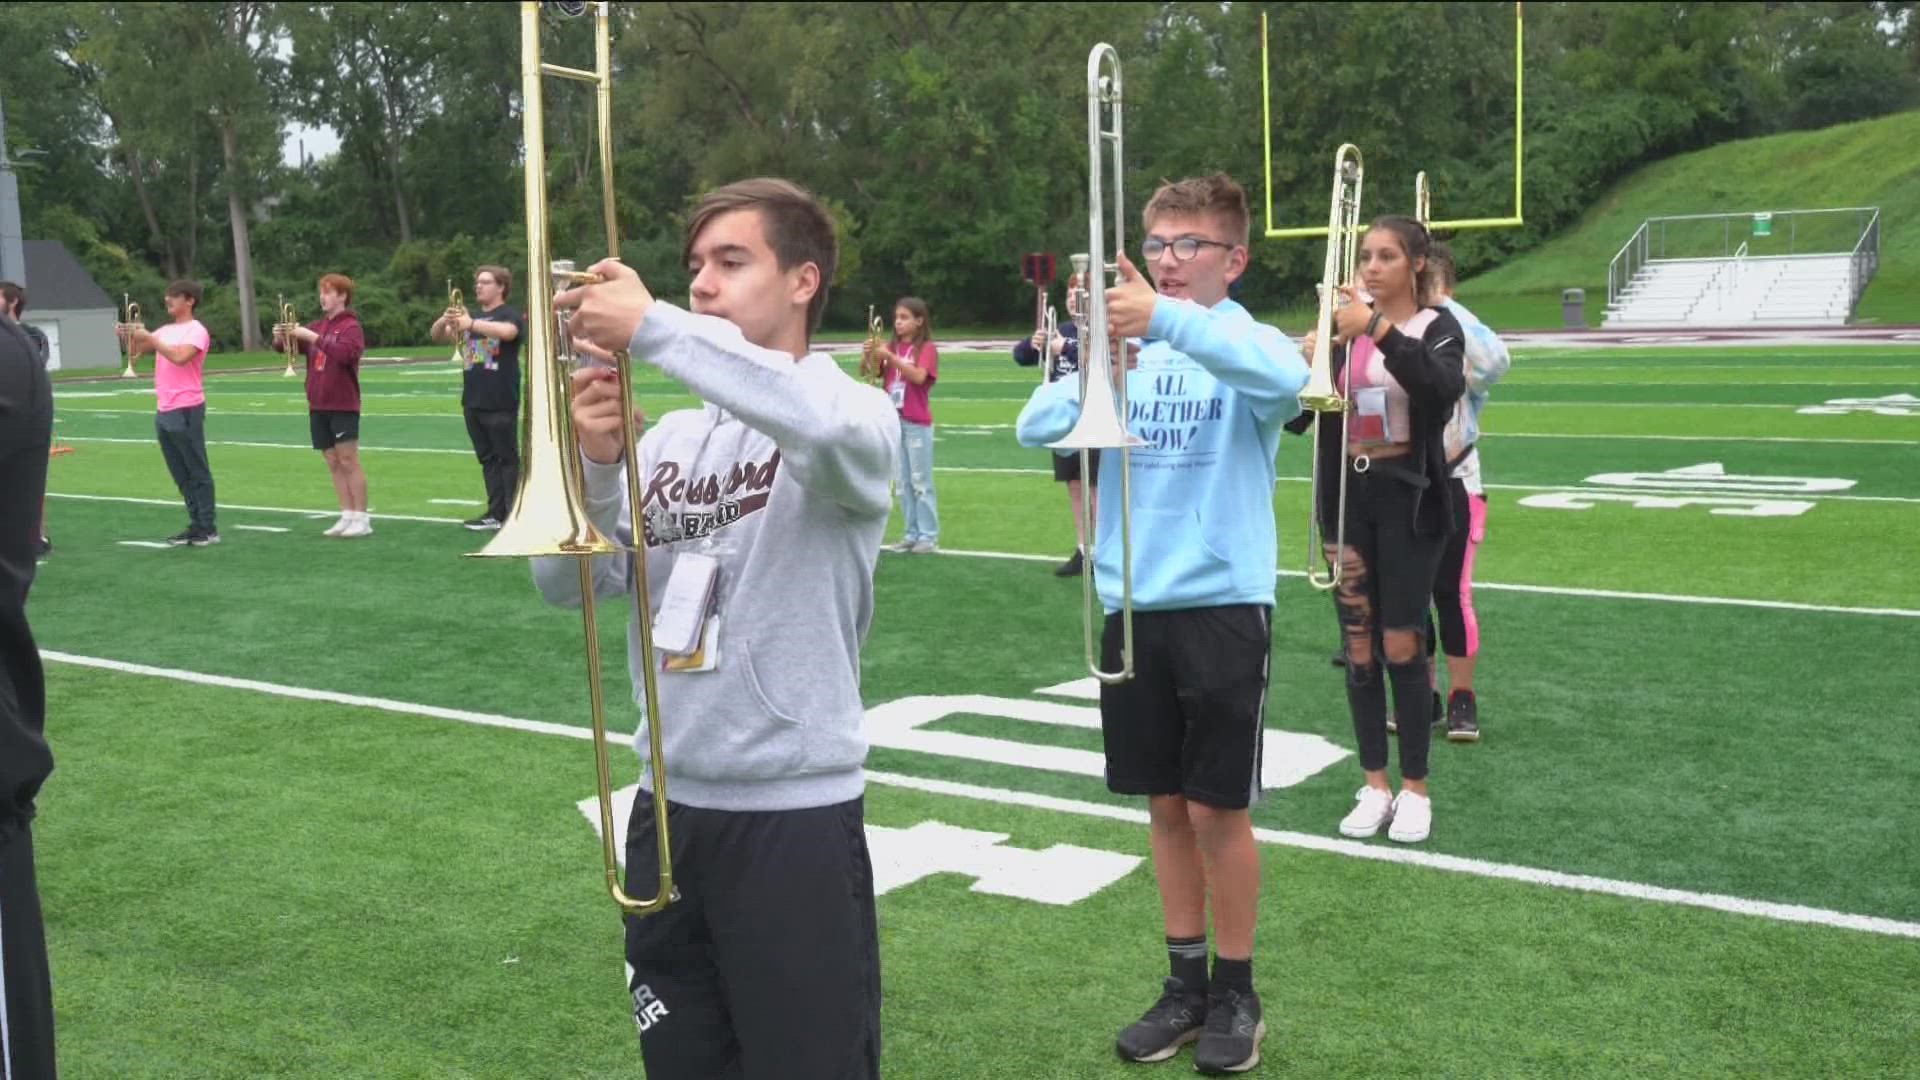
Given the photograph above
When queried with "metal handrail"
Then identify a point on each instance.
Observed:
(1616, 280)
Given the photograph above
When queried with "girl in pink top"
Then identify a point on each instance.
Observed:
(912, 366)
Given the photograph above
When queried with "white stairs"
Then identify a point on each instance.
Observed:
(1748, 290)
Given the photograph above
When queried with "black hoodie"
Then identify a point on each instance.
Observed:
(26, 434)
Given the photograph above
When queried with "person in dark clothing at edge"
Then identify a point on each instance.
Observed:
(490, 389)
(1063, 361)
(26, 436)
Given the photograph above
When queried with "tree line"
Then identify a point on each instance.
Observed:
(948, 138)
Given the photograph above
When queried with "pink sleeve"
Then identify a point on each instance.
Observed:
(198, 337)
(931, 362)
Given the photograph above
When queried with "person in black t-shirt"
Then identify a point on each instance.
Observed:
(26, 436)
(13, 304)
(490, 353)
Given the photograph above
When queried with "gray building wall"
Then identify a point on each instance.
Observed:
(80, 339)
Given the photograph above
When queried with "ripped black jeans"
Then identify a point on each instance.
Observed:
(1386, 583)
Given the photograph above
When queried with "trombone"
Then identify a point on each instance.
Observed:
(549, 515)
(1103, 407)
(1422, 198)
(288, 320)
(1320, 396)
(132, 311)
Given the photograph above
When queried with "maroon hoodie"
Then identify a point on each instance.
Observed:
(333, 363)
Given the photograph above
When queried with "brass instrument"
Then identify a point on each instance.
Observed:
(873, 358)
(456, 308)
(549, 515)
(1320, 396)
(1422, 198)
(1038, 271)
(1103, 409)
(288, 322)
(132, 312)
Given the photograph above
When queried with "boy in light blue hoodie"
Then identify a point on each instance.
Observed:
(1209, 395)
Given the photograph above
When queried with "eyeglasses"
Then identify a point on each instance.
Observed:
(1185, 248)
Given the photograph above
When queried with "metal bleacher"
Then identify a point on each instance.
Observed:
(1799, 268)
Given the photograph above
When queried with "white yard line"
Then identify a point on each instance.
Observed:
(1546, 590)
(302, 511)
(271, 446)
(1790, 913)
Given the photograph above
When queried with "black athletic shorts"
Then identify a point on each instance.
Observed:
(1068, 468)
(1189, 722)
(769, 963)
(333, 427)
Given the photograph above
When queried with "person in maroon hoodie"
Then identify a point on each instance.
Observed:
(333, 345)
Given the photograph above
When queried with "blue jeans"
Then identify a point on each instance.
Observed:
(917, 513)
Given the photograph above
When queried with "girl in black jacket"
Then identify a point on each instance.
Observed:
(1401, 366)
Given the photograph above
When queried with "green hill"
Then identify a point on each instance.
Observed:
(1868, 163)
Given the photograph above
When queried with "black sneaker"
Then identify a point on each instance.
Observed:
(1231, 1041)
(46, 547)
(204, 537)
(480, 524)
(1072, 567)
(1437, 715)
(1173, 1022)
(1463, 717)
(181, 539)
(1340, 658)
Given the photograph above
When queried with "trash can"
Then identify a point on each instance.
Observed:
(1573, 308)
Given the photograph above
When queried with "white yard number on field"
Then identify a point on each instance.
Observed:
(1058, 874)
(1891, 405)
(1705, 485)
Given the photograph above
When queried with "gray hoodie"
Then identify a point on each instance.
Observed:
(783, 478)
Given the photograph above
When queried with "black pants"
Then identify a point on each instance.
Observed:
(183, 441)
(495, 434)
(768, 966)
(26, 1040)
(1386, 583)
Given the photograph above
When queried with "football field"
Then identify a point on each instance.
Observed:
(318, 805)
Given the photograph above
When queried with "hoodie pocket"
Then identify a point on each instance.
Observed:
(759, 693)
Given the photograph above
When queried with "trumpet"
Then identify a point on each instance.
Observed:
(1103, 409)
(132, 311)
(873, 361)
(1038, 270)
(1320, 396)
(456, 307)
(288, 321)
(549, 514)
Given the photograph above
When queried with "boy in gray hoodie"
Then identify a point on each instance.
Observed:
(775, 491)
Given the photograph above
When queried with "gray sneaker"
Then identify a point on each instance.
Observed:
(1231, 1041)
(900, 548)
(925, 547)
(1173, 1022)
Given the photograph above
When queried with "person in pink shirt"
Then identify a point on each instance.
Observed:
(179, 385)
(333, 345)
(912, 366)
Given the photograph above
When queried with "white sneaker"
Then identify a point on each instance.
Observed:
(338, 527)
(1412, 818)
(361, 525)
(1372, 809)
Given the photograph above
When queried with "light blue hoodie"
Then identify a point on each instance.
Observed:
(1209, 396)
(1487, 361)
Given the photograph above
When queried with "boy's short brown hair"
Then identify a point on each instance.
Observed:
(797, 227)
(188, 288)
(1218, 195)
(502, 277)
